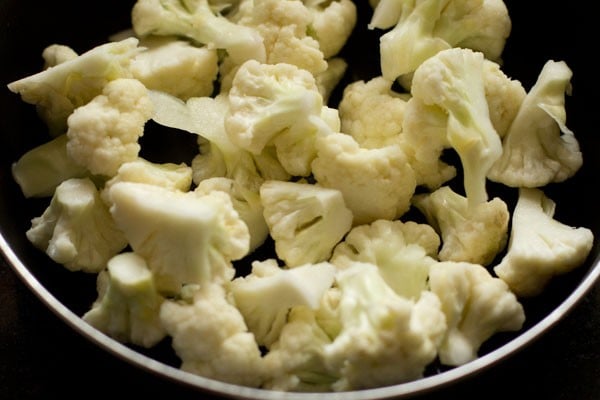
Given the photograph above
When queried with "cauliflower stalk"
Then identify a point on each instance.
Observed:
(128, 304)
(103, 134)
(185, 237)
(76, 229)
(58, 91)
(540, 247)
(453, 80)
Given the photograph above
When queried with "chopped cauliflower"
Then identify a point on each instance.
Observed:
(471, 234)
(403, 252)
(205, 230)
(476, 306)
(306, 221)
(376, 183)
(104, 133)
(539, 148)
(76, 229)
(540, 247)
(210, 336)
(332, 23)
(128, 304)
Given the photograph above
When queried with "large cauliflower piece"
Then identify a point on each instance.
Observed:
(76, 229)
(211, 338)
(540, 247)
(476, 306)
(184, 237)
(104, 133)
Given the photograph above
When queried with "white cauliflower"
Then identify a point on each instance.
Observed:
(184, 237)
(198, 21)
(306, 221)
(476, 306)
(176, 67)
(372, 113)
(104, 133)
(539, 148)
(540, 247)
(403, 252)
(59, 90)
(453, 80)
(57, 54)
(254, 294)
(471, 234)
(40, 170)
(76, 229)
(332, 23)
(211, 338)
(385, 338)
(328, 80)
(128, 304)
(376, 183)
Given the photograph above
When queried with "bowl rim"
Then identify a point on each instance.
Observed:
(219, 388)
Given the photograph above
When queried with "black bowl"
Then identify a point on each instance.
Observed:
(539, 34)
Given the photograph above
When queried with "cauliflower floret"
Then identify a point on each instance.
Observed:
(59, 90)
(276, 105)
(247, 204)
(453, 80)
(540, 247)
(423, 140)
(176, 67)
(332, 23)
(385, 338)
(76, 229)
(168, 175)
(40, 170)
(471, 234)
(104, 133)
(57, 54)
(128, 304)
(403, 252)
(476, 306)
(284, 27)
(183, 236)
(328, 80)
(535, 152)
(426, 27)
(375, 183)
(372, 113)
(211, 338)
(306, 221)
(299, 286)
(196, 20)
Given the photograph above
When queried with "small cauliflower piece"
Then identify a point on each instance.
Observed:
(385, 339)
(59, 90)
(376, 183)
(184, 237)
(176, 67)
(104, 133)
(128, 304)
(453, 80)
(425, 27)
(539, 148)
(403, 252)
(372, 113)
(40, 170)
(198, 21)
(476, 306)
(77, 230)
(211, 338)
(254, 295)
(306, 221)
(284, 27)
(332, 23)
(471, 234)
(540, 247)
(57, 54)
(276, 105)
(247, 204)
(328, 80)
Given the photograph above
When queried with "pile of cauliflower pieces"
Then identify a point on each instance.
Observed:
(356, 295)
